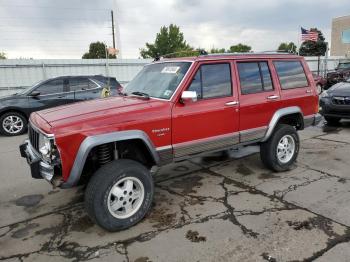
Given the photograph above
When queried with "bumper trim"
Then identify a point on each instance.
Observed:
(39, 169)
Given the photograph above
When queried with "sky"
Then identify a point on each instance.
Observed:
(65, 28)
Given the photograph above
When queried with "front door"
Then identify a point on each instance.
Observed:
(211, 122)
(50, 94)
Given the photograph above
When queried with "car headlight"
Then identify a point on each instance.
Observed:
(45, 146)
(324, 94)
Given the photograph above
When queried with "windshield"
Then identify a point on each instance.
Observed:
(344, 66)
(158, 80)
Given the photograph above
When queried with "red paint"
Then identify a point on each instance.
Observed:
(71, 124)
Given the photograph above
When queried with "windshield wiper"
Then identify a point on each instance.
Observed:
(138, 93)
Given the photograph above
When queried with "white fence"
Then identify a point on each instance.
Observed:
(21, 73)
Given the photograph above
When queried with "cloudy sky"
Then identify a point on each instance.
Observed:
(64, 29)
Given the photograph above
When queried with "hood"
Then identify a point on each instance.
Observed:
(93, 114)
(11, 99)
(340, 89)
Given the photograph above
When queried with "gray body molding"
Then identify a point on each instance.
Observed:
(277, 116)
(92, 141)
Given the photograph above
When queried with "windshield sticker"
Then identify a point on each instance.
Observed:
(168, 93)
(170, 70)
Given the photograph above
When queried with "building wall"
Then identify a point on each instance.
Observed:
(340, 45)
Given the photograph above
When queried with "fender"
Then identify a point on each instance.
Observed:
(278, 115)
(93, 141)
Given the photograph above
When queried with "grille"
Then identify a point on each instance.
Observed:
(341, 100)
(33, 137)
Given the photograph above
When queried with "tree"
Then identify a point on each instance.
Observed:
(97, 50)
(312, 48)
(288, 47)
(217, 50)
(240, 48)
(2, 55)
(170, 40)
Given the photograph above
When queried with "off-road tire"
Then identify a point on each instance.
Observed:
(268, 149)
(99, 187)
(332, 120)
(15, 114)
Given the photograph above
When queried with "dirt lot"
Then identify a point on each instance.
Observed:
(216, 208)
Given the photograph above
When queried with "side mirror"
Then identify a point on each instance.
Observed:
(34, 94)
(189, 96)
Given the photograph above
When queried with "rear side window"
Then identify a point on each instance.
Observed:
(291, 74)
(78, 84)
(254, 77)
(212, 81)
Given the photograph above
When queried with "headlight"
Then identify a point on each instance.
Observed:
(324, 94)
(45, 146)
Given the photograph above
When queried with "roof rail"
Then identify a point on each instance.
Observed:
(249, 53)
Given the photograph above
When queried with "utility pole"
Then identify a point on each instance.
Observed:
(113, 29)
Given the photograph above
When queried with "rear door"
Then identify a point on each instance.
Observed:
(297, 86)
(259, 98)
(85, 88)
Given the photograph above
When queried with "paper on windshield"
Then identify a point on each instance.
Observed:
(170, 70)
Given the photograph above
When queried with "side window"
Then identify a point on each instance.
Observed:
(78, 84)
(255, 77)
(212, 81)
(291, 74)
(51, 87)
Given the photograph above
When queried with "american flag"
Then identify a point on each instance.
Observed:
(307, 35)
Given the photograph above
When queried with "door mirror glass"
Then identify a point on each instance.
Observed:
(34, 93)
(189, 96)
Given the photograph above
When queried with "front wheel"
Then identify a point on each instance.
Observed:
(119, 194)
(281, 150)
(12, 124)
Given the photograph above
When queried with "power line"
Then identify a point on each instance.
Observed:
(63, 8)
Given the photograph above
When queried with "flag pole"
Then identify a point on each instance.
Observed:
(299, 39)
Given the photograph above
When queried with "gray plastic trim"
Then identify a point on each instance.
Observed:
(92, 141)
(277, 116)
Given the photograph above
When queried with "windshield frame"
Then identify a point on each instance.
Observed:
(181, 82)
(345, 67)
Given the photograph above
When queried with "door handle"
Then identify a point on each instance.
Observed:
(308, 91)
(232, 103)
(273, 97)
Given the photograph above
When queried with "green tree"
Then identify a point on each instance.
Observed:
(288, 47)
(240, 48)
(170, 40)
(97, 50)
(312, 48)
(2, 55)
(217, 50)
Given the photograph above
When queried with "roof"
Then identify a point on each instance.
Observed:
(234, 56)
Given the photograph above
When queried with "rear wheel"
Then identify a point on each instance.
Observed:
(12, 124)
(332, 120)
(281, 150)
(119, 194)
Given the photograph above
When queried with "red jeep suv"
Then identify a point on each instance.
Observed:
(172, 110)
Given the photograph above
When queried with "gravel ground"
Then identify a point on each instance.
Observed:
(216, 208)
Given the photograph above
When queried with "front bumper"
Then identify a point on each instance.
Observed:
(327, 108)
(39, 169)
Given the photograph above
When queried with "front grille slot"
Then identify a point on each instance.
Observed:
(341, 100)
(33, 137)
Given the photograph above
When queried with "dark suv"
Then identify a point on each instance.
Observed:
(342, 72)
(15, 109)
